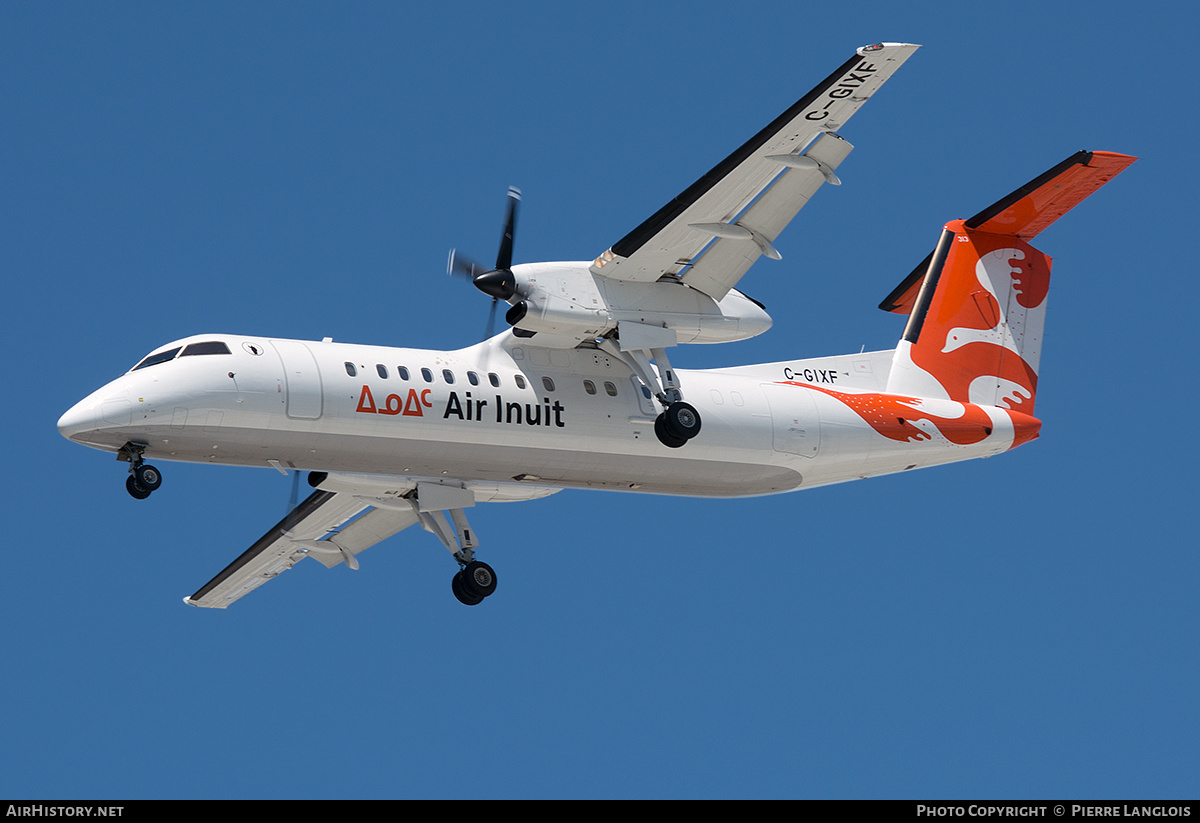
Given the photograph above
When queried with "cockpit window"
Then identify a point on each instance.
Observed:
(155, 359)
(208, 347)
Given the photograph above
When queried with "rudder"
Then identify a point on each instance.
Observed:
(975, 332)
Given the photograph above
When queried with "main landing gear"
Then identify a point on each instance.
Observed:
(679, 422)
(143, 478)
(440, 512)
(473, 582)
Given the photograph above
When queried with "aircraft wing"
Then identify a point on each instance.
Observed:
(711, 233)
(322, 527)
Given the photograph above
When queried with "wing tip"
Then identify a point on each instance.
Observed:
(863, 51)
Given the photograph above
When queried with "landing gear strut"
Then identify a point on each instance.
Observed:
(143, 478)
(679, 422)
(440, 512)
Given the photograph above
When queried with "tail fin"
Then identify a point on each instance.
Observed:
(977, 305)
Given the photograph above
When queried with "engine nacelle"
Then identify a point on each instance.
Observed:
(541, 312)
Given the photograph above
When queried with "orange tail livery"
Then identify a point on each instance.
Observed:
(977, 304)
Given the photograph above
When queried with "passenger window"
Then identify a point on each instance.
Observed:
(589, 387)
(448, 375)
(427, 375)
(402, 371)
(494, 379)
(350, 370)
(382, 370)
(473, 378)
(610, 389)
(548, 383)
(520, 381)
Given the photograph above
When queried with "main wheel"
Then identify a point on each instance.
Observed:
(135, 491)
(682, 420)
(464, 597)
(665, 437)
(147, 477)
(479, 579)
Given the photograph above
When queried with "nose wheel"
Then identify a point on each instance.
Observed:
(143, 478)
(135, 491)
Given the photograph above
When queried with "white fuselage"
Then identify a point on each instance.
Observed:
(558, 418)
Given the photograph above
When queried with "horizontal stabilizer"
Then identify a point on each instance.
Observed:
(904, 297)
(1036, 205)
(1028, 210)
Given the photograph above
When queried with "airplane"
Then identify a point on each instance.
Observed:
(579, 391)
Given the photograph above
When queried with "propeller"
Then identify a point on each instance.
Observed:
(497, 282)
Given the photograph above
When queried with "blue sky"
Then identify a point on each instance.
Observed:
(1018, 627)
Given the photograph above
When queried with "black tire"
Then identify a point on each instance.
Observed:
(478, 579)
(464, 597)
(665, 437)
(135, 491)
(148, 477)
(682, 420)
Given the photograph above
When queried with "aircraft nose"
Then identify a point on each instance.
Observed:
(79, 419)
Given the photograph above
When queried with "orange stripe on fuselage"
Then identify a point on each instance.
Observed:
(893, 416)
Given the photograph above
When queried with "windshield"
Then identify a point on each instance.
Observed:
(210, 347)
(155, 359)
(206, 347)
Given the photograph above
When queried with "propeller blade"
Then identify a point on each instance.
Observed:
(504, 257)
(498, 282)
(458, 265)
(491, 326)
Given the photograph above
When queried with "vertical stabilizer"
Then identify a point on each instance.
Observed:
(977, 305)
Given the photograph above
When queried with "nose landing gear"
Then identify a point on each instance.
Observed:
(143, 478)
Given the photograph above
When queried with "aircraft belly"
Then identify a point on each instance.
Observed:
(552, 464)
